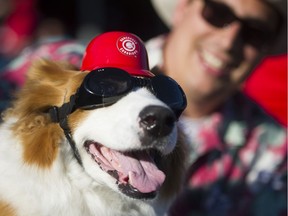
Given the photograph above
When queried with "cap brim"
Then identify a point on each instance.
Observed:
(133, 72)
(137, 72)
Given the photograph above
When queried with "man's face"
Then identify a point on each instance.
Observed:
(208, 61)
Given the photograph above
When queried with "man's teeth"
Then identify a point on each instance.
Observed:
(212, 61)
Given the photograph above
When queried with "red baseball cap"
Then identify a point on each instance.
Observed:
(117, 49)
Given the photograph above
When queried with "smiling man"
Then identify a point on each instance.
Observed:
(237, 151)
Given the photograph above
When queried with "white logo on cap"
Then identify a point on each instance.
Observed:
(128, 46)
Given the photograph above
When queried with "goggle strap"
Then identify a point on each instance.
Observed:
(64, 125)
(59, 115)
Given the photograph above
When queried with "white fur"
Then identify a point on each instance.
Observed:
(66, 188)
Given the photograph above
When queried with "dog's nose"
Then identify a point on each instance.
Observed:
(157, 121)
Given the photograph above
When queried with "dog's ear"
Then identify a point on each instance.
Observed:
(48, 84)
(48, 72)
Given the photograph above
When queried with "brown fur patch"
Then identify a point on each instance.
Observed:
(48, 84)
(6, 209)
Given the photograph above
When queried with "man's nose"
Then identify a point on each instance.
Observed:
(230, 37)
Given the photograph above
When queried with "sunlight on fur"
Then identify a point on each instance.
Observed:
(39, 173)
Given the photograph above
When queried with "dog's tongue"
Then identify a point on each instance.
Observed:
(138, 167)
(142, 171)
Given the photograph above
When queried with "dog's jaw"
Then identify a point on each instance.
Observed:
(136, 173)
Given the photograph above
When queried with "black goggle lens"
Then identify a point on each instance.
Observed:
(168, 91)
(117, 83)
(106, 86)
(253, 32)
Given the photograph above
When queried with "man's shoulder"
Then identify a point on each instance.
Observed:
(244, 113)
(244, 108)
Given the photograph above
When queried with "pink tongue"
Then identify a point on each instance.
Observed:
(138, 167)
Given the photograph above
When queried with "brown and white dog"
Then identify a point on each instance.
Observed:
(120, 173)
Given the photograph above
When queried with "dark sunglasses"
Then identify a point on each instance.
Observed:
(254, 32)
(105, 86)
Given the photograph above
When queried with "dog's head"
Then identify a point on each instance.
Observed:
(132, 145)
(121, 128)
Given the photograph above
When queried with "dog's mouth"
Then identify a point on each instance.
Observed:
(136, 172)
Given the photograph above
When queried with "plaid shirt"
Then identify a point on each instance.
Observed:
(238, 159)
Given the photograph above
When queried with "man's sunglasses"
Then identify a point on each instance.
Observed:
(105, 86)
(254, 32)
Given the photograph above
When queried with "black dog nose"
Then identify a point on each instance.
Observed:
(157, 121)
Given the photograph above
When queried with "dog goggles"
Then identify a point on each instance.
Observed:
(254, 32)
(105, 86)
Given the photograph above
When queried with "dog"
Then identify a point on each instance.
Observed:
(118, 159)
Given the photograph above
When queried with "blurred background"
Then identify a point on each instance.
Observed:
(24, 23)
